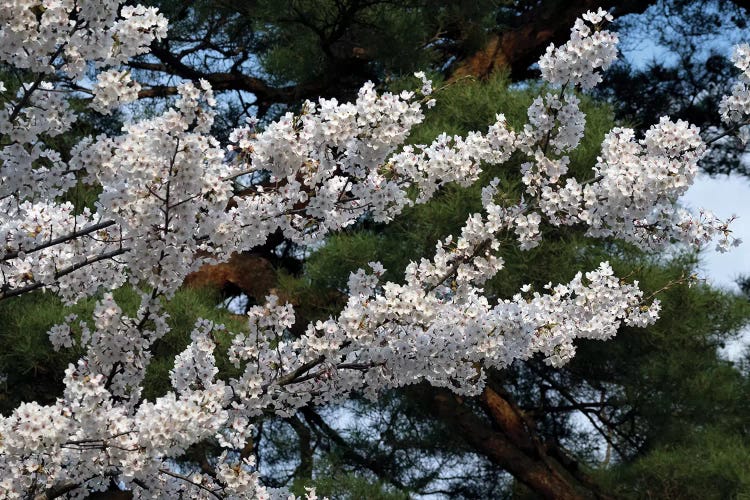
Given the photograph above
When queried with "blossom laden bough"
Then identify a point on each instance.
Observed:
(168, 205)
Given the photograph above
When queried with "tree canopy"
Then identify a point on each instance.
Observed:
(333, 360)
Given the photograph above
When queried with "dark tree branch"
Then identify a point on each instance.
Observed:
(61, 239)
(4, 294)
(332, 435)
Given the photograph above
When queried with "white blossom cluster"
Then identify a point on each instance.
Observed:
(553, 114)
(588, 50)
(336, 162)
(639, 181)
(85, 439)
(47, 36)
(392, 335)
(322, 166)
(42, 242)
(113, 89)
(167, 205)
(36, 248)
(29, 167)
(735, 108)
(56, 40)
(162, 182)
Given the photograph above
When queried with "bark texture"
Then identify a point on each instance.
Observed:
(500, 431)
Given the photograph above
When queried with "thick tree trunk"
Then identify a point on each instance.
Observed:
(509, 441)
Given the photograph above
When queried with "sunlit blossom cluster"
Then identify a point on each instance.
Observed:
(579, 60)
(169, 203)
(113, 89)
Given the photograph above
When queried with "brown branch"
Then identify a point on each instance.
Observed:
(4, 294)
(292, 376)
(61, 239)
(57, 490)
(547, 482)
(586, 413)
(332, 435)
(480, 249)
(225, 81)
(521, 428)
(305, 469)
(147, 66)
(157, 91)
(187, 480)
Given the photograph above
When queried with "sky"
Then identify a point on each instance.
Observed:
(724, 196)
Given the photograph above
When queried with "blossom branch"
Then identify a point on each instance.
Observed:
(5, 294)
(61, 239)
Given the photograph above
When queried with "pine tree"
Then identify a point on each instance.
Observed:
(664, 407)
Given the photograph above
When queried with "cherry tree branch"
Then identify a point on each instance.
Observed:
(59, 240)
(13, 292)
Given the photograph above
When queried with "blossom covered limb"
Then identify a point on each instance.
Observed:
(167, 206)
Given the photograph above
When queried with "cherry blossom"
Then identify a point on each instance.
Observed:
(168, 205)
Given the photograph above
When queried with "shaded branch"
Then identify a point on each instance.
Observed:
(332, 435)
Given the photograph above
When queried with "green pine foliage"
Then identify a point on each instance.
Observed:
(706, 464)
(305, 41)
(334, 484)
(691, 405)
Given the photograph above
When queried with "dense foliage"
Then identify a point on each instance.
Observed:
(163, 394)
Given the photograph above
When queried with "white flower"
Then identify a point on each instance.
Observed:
(162, 213)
